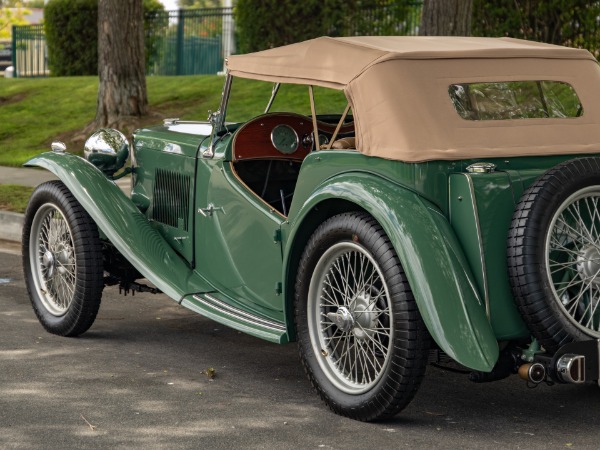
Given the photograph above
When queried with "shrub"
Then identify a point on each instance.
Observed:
(72, 35)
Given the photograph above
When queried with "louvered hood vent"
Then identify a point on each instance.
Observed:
(171, 199)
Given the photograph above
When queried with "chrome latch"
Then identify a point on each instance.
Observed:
(481, 167)
(210, 209)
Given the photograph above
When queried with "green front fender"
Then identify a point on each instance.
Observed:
(124, 225)
(432, 258)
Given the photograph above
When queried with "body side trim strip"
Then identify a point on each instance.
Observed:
(238, 314)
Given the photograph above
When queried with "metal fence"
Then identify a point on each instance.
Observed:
(189, 42)
(197, 41)
(29, 51)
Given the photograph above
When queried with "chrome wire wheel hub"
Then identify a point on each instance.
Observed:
(349, 318)
(342, 318)
(48, 263)
(365, 316)
(52, 259)
(573, 259)
(588, 264)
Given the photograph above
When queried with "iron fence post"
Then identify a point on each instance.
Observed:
(180, 42)
(14, 51)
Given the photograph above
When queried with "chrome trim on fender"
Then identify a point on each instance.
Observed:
(486, 294)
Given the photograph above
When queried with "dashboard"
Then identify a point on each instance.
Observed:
(281, 135)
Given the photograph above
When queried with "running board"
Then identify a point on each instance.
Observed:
(222, 312)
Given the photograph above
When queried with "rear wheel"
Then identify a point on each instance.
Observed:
(361, 338)
(62, 260)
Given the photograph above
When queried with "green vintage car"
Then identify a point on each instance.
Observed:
(395, 199)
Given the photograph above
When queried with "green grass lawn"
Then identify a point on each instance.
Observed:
(35, 112)
(13, 197)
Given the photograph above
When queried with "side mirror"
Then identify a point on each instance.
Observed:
(107, 149)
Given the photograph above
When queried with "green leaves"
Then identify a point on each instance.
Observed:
(266, 24)
(563, 22)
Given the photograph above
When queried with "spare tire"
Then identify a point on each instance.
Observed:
(554, 254)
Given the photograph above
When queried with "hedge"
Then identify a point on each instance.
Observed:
(266, 24)
(573, 23)
(72, 36)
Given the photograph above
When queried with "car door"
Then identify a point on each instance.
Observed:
(238, 248)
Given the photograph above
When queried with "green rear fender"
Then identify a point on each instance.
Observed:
(124, 225)
(435, 266)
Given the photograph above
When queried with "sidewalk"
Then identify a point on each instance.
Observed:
(11, 223)
(25, 176)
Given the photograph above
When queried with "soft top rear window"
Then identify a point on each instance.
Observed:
(515, 100)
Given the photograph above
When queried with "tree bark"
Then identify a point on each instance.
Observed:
(121, 63)
(446, 18)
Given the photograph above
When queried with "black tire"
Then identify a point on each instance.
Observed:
(62, 260)
(382, 326)
(553, 253)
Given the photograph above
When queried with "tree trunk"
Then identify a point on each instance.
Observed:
(446, 18)
(121, 63)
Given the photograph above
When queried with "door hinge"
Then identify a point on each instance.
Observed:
(278, 288)
(277, 236)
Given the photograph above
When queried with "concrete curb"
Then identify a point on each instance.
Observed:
(11, 226)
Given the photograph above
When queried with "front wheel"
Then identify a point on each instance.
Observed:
(361, 338)
(62, 260)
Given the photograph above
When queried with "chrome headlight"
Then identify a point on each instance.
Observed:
(107, 149)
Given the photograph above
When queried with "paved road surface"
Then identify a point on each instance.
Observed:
(136, 377)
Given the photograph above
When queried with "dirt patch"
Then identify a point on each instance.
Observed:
(16, 98)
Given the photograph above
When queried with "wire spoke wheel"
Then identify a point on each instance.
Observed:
(573, 259)
(53, 259)
(62, 260)
(361, 339)
(349, 317)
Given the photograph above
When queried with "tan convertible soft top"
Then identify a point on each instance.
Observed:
(398, 89)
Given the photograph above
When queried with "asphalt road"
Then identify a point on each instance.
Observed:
(136, 380)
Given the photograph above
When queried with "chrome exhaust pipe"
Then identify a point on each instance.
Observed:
(533, 372)
(570, 368)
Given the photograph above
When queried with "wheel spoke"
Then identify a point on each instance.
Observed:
(344, 288)
(583, 224)
(561, 248)
(326, 296)
(592, 211)
(574, 233)
(334, 288)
